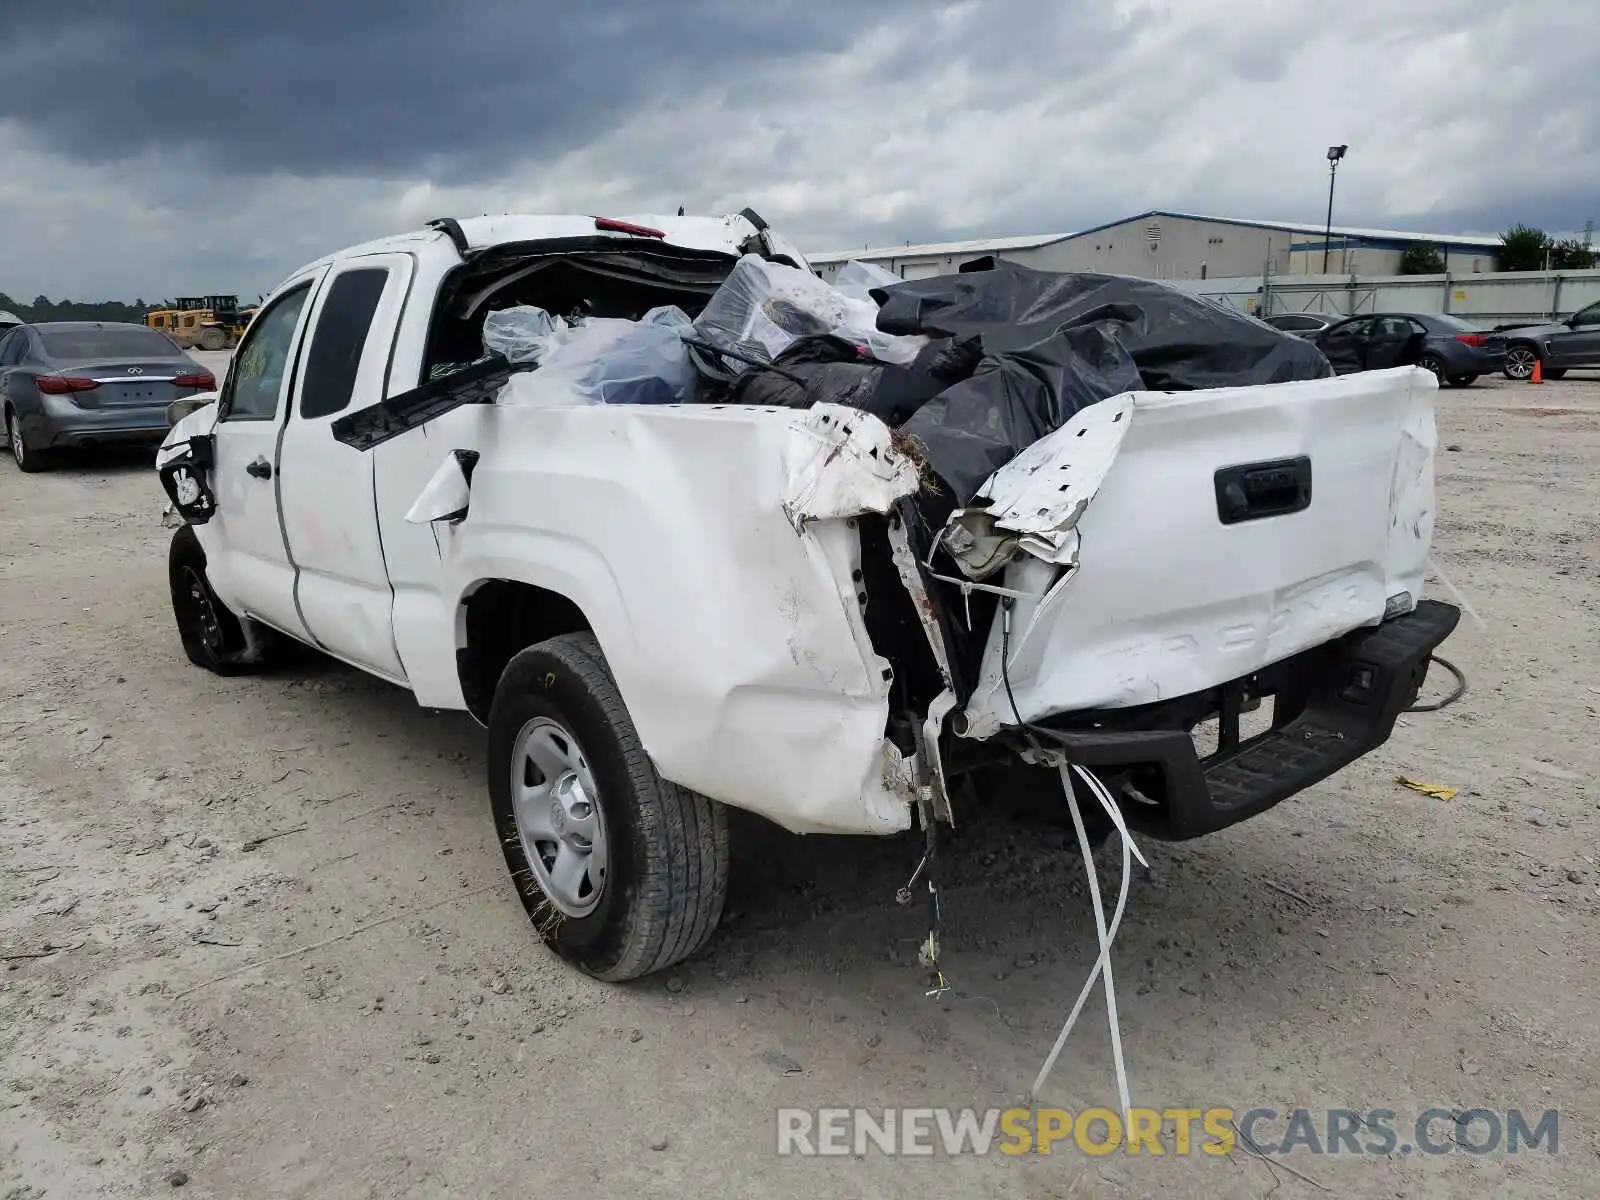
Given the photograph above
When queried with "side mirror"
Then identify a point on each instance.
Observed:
(179, 409)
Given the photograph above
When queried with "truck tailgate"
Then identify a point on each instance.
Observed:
(1201, 536)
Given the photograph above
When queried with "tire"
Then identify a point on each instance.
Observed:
(1555, 373)
(213, 339)
(1463, 380)
(212, 637)
(1432, 362)
(662, 879)
(30, 461)
(1520, 357)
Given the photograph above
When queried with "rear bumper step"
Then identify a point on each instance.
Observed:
(1332, 704)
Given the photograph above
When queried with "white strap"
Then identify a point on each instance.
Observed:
(1105, 934)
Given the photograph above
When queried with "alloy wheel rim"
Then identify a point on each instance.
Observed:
(562, 828)
(1519, 363)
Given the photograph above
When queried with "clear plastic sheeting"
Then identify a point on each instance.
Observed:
(764, 307)
(856, 280)
(609, 360)
(520, 334)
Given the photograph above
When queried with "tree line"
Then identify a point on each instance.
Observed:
(1521, 248)
(45, 309)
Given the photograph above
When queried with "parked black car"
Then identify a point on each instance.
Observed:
(1560, 345)
(81, 383)
(1455, 351)
(1301, 324)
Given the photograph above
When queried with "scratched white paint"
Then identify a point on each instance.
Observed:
(1165, 600)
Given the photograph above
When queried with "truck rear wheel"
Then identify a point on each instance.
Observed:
(621, 872)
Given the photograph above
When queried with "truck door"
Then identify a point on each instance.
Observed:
(329, 513)
(247, 561)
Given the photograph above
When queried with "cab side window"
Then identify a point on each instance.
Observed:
(1587, 316)
(11, 347)
(256, 376)
(336, 344)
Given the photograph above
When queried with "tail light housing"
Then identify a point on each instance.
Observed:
(203, 383)
(65, 385)
(1472, 339)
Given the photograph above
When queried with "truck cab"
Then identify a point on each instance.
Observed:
(662, 610)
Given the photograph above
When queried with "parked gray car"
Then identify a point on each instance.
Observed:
(1560, 345)
(1454, 350)
(1300, 324)
(84, 383)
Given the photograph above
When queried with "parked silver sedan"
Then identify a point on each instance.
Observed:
(67, 384)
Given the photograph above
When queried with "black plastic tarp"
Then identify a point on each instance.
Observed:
(833, 370)
(1048, 344)
(1014, 398)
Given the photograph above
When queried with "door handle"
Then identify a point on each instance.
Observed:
(261, 469)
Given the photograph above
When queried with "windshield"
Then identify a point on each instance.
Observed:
(107, 341)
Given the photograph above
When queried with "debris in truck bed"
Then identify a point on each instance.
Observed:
(768, 306)
(604, 360)
(1049, 344)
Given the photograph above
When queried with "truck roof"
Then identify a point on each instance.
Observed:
(722, 234)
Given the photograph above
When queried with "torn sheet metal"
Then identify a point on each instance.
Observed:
(739, 646)
(932, 730)
(842, 463)
(1034, 502)
(446, 495)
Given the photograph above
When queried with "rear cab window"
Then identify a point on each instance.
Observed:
(337, 342)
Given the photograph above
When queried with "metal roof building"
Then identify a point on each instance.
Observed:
(1170, 245)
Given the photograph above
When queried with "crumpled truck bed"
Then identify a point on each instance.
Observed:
(712, 550)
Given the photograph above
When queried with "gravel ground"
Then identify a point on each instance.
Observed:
(196, 991)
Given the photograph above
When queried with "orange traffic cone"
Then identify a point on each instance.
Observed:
(1538, 371)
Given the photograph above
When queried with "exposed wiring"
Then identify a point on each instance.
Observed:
(1006, 605)
(1456, 592)
(1460, 688)
(1106, 933)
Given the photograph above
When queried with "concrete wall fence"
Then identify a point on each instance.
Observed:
(1502, 298)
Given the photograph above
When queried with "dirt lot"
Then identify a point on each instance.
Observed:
(192, 871)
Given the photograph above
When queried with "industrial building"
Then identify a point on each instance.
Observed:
(1172, 245)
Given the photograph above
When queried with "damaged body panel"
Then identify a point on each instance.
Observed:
(512, 473)
(738, 642)
(1165, 599)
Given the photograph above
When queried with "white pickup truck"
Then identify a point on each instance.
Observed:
(659, 610)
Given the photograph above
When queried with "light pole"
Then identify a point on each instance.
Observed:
(1335, 153)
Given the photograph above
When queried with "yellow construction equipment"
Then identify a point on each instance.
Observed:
(209, 322)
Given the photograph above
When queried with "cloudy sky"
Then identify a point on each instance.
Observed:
(162, 147)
